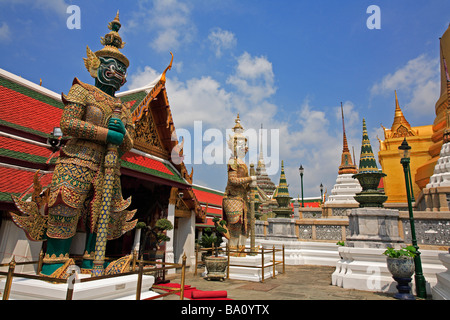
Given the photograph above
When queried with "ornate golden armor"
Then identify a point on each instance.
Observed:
(78, 175)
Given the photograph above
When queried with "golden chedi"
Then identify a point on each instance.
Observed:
(419, 138)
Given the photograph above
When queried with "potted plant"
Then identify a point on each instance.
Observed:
(207, 241)
(157, 232)
(216, 265)
(400, 263)
(340, 244)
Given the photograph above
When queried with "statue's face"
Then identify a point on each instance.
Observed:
(112, 73)
(241, 148)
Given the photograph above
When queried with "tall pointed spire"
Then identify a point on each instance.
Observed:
(345, 149)
(347, 165)
(261, 156)
(282, 192)
(367, 163)
(400, 126)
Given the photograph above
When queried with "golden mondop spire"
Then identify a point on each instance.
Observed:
(400, 126)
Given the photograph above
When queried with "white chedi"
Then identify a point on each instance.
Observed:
(344, 190)
(441, 175)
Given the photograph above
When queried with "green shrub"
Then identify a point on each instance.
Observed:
(408, 251)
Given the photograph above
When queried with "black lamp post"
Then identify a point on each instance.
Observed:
(321, 193)
(405, 151)
(301, 170)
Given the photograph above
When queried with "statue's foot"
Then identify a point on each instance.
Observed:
(58, 270)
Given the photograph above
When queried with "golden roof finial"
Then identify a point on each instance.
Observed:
(163, 77)
(400, 121)
(397, 106)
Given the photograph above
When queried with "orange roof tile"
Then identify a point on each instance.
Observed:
(22, 180)
(210, 197)
(20, 109)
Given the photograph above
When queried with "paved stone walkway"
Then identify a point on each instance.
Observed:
(298, 283)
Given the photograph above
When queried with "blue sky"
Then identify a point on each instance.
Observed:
(285, 64)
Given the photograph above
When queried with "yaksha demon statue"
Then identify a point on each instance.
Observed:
(236, 199)
(85, 193)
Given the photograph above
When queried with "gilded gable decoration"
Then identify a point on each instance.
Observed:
(146, 133)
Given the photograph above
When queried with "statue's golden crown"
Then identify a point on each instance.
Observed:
(112, 43)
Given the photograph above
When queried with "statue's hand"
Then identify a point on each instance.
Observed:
(117, 125)
(114, 137)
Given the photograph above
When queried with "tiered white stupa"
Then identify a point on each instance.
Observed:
(441, 175)
(346, 187)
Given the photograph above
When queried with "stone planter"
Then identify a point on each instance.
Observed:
(401, 267)
(370, 196)
(402, 270)
(216, 267)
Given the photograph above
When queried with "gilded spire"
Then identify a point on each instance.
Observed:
(400, 126)
(347, 165)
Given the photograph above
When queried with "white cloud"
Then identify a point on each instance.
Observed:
(142, 77)
(254, 78)
(200, 100)
(308, 139)
(417, 79)
(5, 33)
(169, 22)
(221, 40)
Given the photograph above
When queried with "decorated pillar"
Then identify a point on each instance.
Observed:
(169, 255)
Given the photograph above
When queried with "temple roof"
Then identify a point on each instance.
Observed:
(211, 201)
(20, 184)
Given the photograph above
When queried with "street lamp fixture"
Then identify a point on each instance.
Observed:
(301, 170)
(54, 138)
(405, 152)
(321, 192)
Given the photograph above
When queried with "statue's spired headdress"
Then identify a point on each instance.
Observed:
(237, 139)
(112, 43)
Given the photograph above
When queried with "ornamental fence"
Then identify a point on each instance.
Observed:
(264, 252)
(432, 228)
(137, 267)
